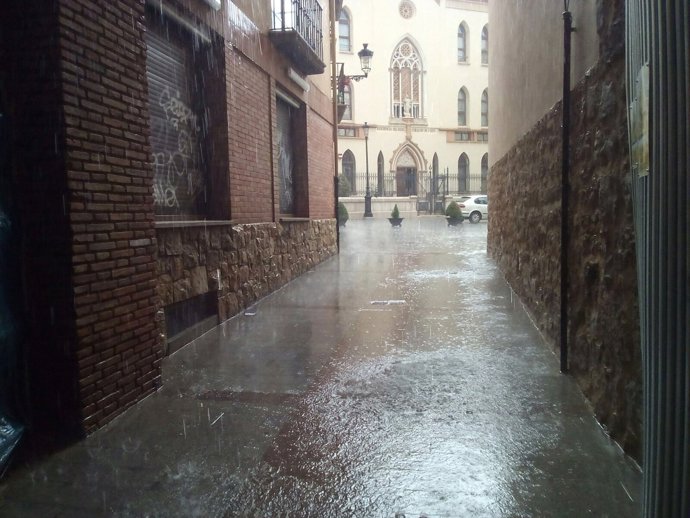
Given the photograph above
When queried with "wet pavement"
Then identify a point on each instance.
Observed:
(400, 378)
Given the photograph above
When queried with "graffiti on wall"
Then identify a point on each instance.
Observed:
(175, 164)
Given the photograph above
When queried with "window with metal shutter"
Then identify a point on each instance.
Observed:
(179, 181)
(285, 158)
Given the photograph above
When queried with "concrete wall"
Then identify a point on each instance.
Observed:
(526, 56)
(524, 232)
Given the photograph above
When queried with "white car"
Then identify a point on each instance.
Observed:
(474, 207)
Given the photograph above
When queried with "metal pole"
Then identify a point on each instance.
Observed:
(367, 196)
(565, 173)
(334, 90)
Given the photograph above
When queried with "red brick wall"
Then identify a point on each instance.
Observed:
(249, 119)
(212, 69)
(110, 205)
(321, 167)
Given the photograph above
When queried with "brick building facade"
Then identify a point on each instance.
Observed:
(154, 187)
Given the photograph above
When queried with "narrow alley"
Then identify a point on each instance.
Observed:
(398, 378)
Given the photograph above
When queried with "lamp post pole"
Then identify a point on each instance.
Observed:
(565, 184)
(367, 196)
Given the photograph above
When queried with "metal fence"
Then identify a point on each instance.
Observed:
(389, 185)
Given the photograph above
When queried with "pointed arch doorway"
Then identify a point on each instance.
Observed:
(406, 174)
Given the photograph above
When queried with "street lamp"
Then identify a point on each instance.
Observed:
(367, 196)
(365, 56)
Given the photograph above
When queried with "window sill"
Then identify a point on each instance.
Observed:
(293, 219)
(409, 120)
(464, 63)
(193, 223)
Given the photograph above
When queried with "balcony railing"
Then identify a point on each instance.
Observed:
(297, 32)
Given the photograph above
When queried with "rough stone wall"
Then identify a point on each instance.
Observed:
(524, 238)
(253, 260)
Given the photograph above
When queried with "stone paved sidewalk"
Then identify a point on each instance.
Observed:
(400, 377)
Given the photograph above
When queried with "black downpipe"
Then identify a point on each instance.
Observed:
(565, 187)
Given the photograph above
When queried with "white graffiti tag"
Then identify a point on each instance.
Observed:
(174, 171)
(177, 112)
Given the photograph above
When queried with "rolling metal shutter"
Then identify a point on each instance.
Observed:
(175, 128)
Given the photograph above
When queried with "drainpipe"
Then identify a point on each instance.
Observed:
(334, 92)
(565, 186)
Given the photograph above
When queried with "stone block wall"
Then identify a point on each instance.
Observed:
(524, 239)
(242, 263)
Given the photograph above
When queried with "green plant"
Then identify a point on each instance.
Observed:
(343, 215)
(344, 187)
(453, 210)
(395, 213)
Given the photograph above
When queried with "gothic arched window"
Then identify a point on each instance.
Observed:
(406, 82)
(485, 173)
(462, 107)
(463, 172)
(379, 174)
(462, 44)
(344, 39)
(485, 45)
(349, 170)
(347, 101)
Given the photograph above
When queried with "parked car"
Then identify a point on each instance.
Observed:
(474, 207)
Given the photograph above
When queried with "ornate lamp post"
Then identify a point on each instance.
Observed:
(367, 196)
(343, 80)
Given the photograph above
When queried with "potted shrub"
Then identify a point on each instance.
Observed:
(343, 215)
(453, 214)
(395, 218)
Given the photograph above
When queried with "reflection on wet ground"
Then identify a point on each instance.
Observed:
(400, 377)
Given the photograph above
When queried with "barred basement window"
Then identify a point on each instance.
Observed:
(462, 136)
(482, 136)
(346, 132)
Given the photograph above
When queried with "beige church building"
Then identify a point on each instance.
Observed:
(420, 116)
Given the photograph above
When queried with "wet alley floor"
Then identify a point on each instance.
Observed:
(400, 378)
